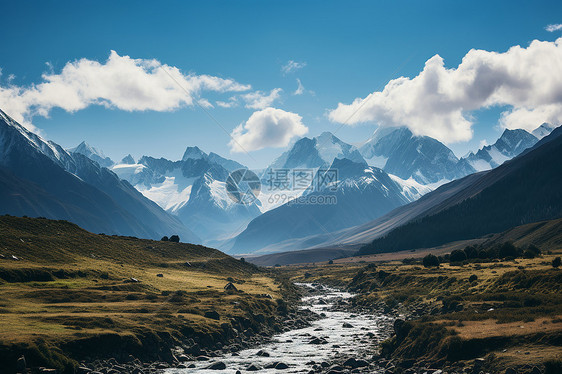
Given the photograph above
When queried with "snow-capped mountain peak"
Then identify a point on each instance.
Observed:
(128, 160)
(543, 130)
(92, 153)
(193, 153)
(510, 144)
(397, 151)
(318, 152)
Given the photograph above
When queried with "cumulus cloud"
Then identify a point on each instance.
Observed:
(261, 100)
(269, 127)
(120, 82)
(292, 66)
(438, 102)
(553, 27)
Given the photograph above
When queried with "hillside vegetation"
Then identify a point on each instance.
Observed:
(67, 294)
(477, 314)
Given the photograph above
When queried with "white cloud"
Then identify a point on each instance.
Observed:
(483, 143)
(231, 103)
(269, 127)
(121, 82)
(292, 66)
(205, 103)
(438, 102)
(261, 100)
(553, 27)
(300, 88)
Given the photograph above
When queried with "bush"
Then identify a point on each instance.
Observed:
(331, 262)
(175, 238)
(507, 249)
(164, 239)
(457, 256)
(533, 248)
(430, 260)
(473, 278)
(471, 252)
(556, 262)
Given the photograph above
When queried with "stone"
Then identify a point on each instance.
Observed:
(510, 371)
(21, 365)
(219, 365)
(230, 287)
(202, 358)
(160, 275)
(262, 353)
(281, 366)
(252, 367)
(347, 325)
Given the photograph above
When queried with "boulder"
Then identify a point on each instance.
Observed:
(21, 365)
(252, 367)
(160, 275)
(262, 353)
(347, 325)
(281, 366)
(230, 287)
(219, 365)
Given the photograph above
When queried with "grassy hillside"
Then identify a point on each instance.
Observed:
(488, 312)
(67, 294)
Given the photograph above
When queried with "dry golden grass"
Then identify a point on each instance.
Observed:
(71, 284)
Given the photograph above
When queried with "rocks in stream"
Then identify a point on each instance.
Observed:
(219, 365)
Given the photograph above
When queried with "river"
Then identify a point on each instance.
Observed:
(294, 348)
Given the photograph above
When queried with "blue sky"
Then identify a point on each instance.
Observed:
(350, 49)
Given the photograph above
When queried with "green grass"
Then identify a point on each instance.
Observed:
(73, 289)
(487, 309)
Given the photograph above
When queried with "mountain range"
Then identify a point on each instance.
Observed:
(523, 190)
(40, 178)
(392, 169)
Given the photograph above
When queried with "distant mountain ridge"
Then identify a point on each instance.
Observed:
(40, 178)
(361, 193)
(510, 144)
(93, 154)
(194, 190)
(397, 151)
(523, 190)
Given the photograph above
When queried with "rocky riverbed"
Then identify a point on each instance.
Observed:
(340, 341)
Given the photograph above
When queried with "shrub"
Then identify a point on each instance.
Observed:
(533, 248)
(556, 262)
(507, 249)
(175, 238)
(430, 260)
(457, 256)
(164, 239)
(473, 278)
(471, 252)
(331, 262)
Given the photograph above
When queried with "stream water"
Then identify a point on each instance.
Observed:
(294, 348)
